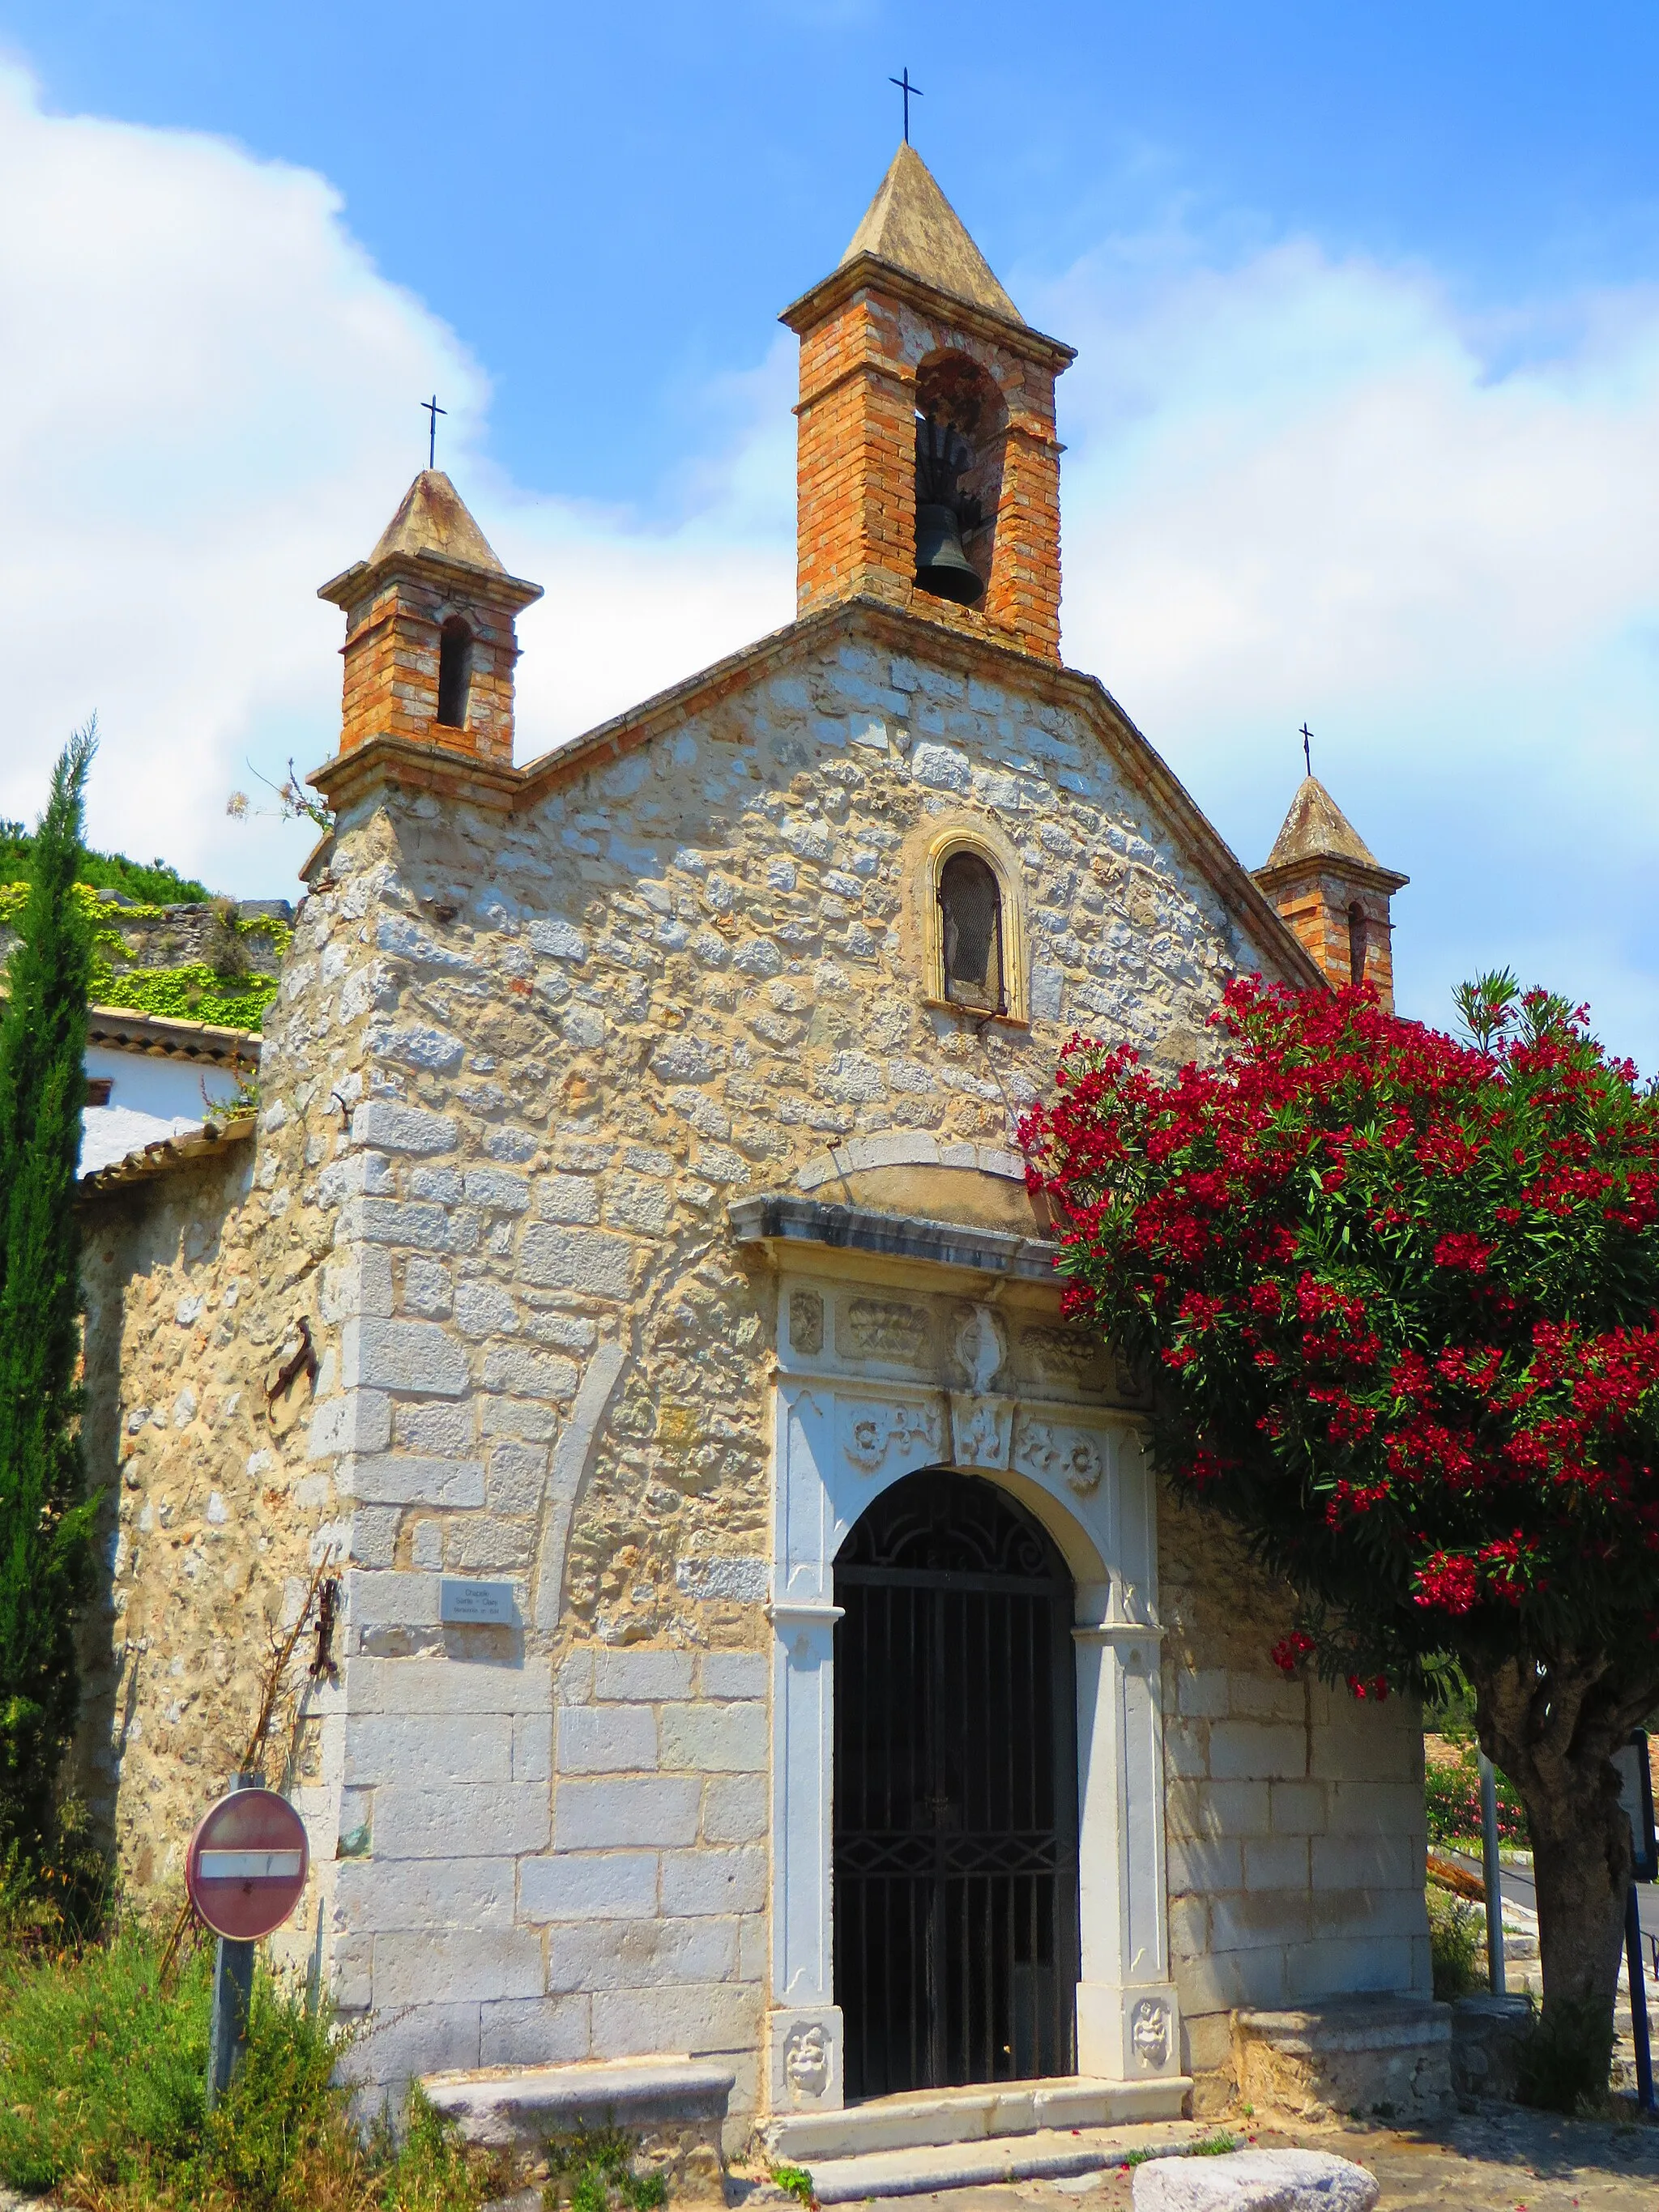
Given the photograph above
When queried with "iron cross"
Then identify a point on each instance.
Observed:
(1306, 736)
(431, 407)
(911, 92)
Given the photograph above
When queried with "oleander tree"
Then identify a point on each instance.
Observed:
(45, 1514)
(1399, 1296)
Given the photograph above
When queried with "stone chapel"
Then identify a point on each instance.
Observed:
(771, 1689)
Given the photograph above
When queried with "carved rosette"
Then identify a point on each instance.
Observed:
(1053, 1451)
(873, 1430)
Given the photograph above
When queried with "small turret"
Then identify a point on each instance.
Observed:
(430, 637)
(1332, 892)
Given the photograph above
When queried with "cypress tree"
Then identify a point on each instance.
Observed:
(45, 1514)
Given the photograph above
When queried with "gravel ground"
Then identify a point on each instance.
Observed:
(1498, 2160)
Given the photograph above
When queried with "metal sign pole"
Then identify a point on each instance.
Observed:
(1490, 1868)
(1638, 2002)
(233, 1995)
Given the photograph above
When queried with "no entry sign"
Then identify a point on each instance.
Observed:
(247, 1865)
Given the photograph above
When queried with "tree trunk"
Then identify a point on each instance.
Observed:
(1552, 1725)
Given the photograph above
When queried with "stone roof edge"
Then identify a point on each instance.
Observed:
(455, 775)
(1373, 878)
(354, 583)
(868, 272)
(168, 1152)
(170, 1037)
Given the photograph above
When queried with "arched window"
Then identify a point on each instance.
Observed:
(454, 672)
(971, 934)
(1356, 944)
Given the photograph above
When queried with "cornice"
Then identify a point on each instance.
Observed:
(867, 272)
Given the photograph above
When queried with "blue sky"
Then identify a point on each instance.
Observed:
(1364, 427)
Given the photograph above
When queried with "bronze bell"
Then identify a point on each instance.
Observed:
(942, 567)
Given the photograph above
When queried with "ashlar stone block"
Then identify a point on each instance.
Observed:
(607, 1740)
(588, 1885)
(454, 1965)
(661, 1809)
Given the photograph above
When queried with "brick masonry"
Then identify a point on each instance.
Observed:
(865, 363)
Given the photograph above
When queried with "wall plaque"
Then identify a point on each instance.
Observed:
(475, 1605)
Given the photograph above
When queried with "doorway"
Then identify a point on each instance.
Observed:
(954, 1831)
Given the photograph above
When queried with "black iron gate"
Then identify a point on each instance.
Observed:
(955, 1899)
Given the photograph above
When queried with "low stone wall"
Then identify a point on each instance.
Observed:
(1294, 1813)
(1356, 2057)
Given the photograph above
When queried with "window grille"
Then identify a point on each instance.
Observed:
(970, 933)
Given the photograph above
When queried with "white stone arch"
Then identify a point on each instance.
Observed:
(841, 1438)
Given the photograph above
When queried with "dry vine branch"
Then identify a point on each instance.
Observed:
(270, 1696)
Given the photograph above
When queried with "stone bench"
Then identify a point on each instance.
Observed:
(1385, 2057)
(670, 2107)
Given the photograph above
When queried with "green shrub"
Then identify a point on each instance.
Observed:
(104, 2099)
(103, 2072)
(1457, 1942)
(1563, 2063)
(596, 2168)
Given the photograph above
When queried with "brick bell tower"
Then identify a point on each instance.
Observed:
(430, 639)
(926, 396)
(1333, 893)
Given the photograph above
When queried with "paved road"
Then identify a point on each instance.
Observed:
(1518, 1889)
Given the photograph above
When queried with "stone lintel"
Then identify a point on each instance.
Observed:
(774, 1219)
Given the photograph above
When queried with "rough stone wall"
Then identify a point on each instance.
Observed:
(1295, 1817)
(211, 1511)
(517, 1068)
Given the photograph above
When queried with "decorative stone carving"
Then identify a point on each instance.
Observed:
(871, 1431)
(1051, 1450)
(1151, 2033)
(806, 1323)
(806, 2062)
(882, 1329)
(1069, 1357)
(980, 1430)
(981, 1344)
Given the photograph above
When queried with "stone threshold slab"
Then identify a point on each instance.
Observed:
(502, 2105)
(991, 2111)
(1049, 2155)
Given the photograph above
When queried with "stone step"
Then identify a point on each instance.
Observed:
(499, 2106)
(1045, 2154)
(930, 2119)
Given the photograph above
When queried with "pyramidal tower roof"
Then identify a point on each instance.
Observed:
(911, 226)
(1316, 830)
(434, 519)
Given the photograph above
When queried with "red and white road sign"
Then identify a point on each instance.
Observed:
(247, 1865)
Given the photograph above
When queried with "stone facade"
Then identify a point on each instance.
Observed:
(649, 1210)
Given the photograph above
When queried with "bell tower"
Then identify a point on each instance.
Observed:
(1333, 893)
(927, 467)
(430, 637)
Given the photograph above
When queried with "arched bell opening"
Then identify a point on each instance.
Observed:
(454, 672)
(955, 1839)
(1356, 944)
(961, 424)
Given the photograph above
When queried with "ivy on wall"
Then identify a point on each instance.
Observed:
(232, 996)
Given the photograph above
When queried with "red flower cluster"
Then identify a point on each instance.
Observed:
(1402, 1294)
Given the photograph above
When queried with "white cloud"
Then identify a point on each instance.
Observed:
(211, 406)
(1302, 487)
(1296, 487)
